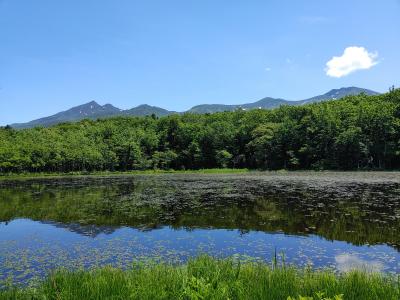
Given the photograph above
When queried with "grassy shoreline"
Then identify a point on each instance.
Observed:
(116, 173)
(210, 278)
(16, 176)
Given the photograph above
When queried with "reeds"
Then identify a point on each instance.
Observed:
(209, 278)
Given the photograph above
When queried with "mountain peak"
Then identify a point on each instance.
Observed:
(92, 103)
(147, 110)
(351, 90)
(108, 105)
(86, 106)
(144, 106)
(339, 93)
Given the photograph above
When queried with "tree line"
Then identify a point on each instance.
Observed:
(355, 132)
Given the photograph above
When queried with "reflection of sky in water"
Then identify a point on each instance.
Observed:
(30, 248)
(347, 262)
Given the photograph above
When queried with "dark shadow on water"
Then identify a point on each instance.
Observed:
(356, 212)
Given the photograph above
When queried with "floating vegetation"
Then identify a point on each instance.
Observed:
(335, 220)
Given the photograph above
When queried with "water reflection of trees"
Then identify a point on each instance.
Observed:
(357, 213)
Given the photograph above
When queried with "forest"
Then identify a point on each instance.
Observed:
(355, 132)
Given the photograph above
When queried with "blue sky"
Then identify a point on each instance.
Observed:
(176, 54)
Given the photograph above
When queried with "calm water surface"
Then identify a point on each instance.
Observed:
(336, 220)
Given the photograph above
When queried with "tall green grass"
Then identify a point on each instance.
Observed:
(209, 278)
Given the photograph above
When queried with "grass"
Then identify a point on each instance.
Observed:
(40, 175)
(110, 173)
(209, 278)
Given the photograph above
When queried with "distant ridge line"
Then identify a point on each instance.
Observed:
(93, 110)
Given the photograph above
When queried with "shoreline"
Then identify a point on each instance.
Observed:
(270, 173)
(121, 173)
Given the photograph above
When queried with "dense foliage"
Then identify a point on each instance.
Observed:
(356, 132)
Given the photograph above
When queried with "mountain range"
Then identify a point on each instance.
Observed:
(93, 110)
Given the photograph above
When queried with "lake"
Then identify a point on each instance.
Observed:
(327, 219)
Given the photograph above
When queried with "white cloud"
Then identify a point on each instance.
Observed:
(352, 59)
(268, 69)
